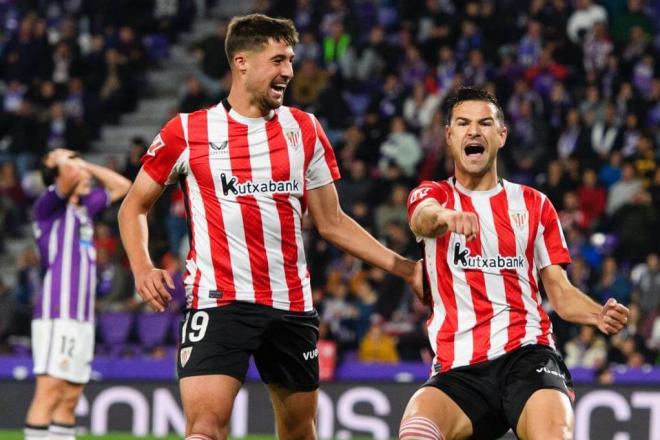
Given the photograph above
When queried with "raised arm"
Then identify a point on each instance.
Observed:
(337, 227)
(574, 306)
(134, 230)
(430, 219)
(116, 184)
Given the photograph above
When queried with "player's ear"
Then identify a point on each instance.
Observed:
(240, 61)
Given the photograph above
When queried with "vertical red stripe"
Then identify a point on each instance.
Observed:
(506, 243)
(447, 333)
(308, 132)
(533, 204)
(552, 234)
(199, 145)
(328, 152)
(241, 168)
(192, 252)
(281, 170)
(483, 309)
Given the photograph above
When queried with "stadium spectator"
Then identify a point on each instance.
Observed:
(377, 346)
(588, 349)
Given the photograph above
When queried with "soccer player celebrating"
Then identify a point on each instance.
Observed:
(249, 168)
(63, 324)
(487, 244)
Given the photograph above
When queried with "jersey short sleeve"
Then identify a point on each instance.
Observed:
(322, 168)
(49, 204)
(550, 247)
(426, 190)
(96, 201)
(164, 161)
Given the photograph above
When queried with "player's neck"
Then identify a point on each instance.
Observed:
(242, 104)
(477, 183)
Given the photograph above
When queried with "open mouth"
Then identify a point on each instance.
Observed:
(474, 149)
(278, 88)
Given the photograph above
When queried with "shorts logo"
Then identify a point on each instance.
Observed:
(309, 355)
(185, 355)
(64, 365)
(519, 218)
(547, 371)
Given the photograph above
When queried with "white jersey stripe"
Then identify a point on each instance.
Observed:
(231, 210)
(439, 312)
(493, 279)
(67, 256)
(463, 339)
(82, 281)
(270, 219)
(516, 202)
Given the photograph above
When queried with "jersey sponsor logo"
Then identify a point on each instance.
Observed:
(309, 355)
(156, 145)
(519, 218)
(184, 355)
(231, 185)
(463, 260)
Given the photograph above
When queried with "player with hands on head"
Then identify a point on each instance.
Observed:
(63, 323)
(488, 246)
(249, 168)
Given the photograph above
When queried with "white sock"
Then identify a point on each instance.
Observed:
(33, 432)
(57, 431)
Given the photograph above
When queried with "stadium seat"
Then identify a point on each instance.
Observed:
(152, 329)
(115, 328)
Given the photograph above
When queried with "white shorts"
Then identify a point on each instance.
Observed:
(63, 348)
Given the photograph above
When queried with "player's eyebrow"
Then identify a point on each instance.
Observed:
(464, 119)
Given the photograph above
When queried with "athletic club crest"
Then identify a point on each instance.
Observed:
(294, 139)
(519, 218)
(185, 355)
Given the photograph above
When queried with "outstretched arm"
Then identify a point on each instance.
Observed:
(337, 227)
(133, 227)
(430, 219)
(574, 306)
(116, 184)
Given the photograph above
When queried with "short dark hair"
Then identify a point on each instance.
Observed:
(471, 94)
(250, 32)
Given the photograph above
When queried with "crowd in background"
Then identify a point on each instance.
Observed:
(577, 79)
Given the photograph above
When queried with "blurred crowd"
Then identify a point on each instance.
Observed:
(578, 81)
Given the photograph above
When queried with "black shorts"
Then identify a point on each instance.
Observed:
(492, 394)
(221, 341)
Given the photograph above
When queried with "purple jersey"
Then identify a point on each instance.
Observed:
(65, 236)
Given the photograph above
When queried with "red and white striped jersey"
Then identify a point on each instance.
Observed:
(485, 292)
(244, 182)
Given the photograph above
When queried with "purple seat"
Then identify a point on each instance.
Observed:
(115, 328)
(152, 328)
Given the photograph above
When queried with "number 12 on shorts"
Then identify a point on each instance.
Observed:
(199, 321)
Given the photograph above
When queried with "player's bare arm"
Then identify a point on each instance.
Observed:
(149, 281)
(70, 174)
(574, 306)
(116, 184)
(338, 228)
(431, 220)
